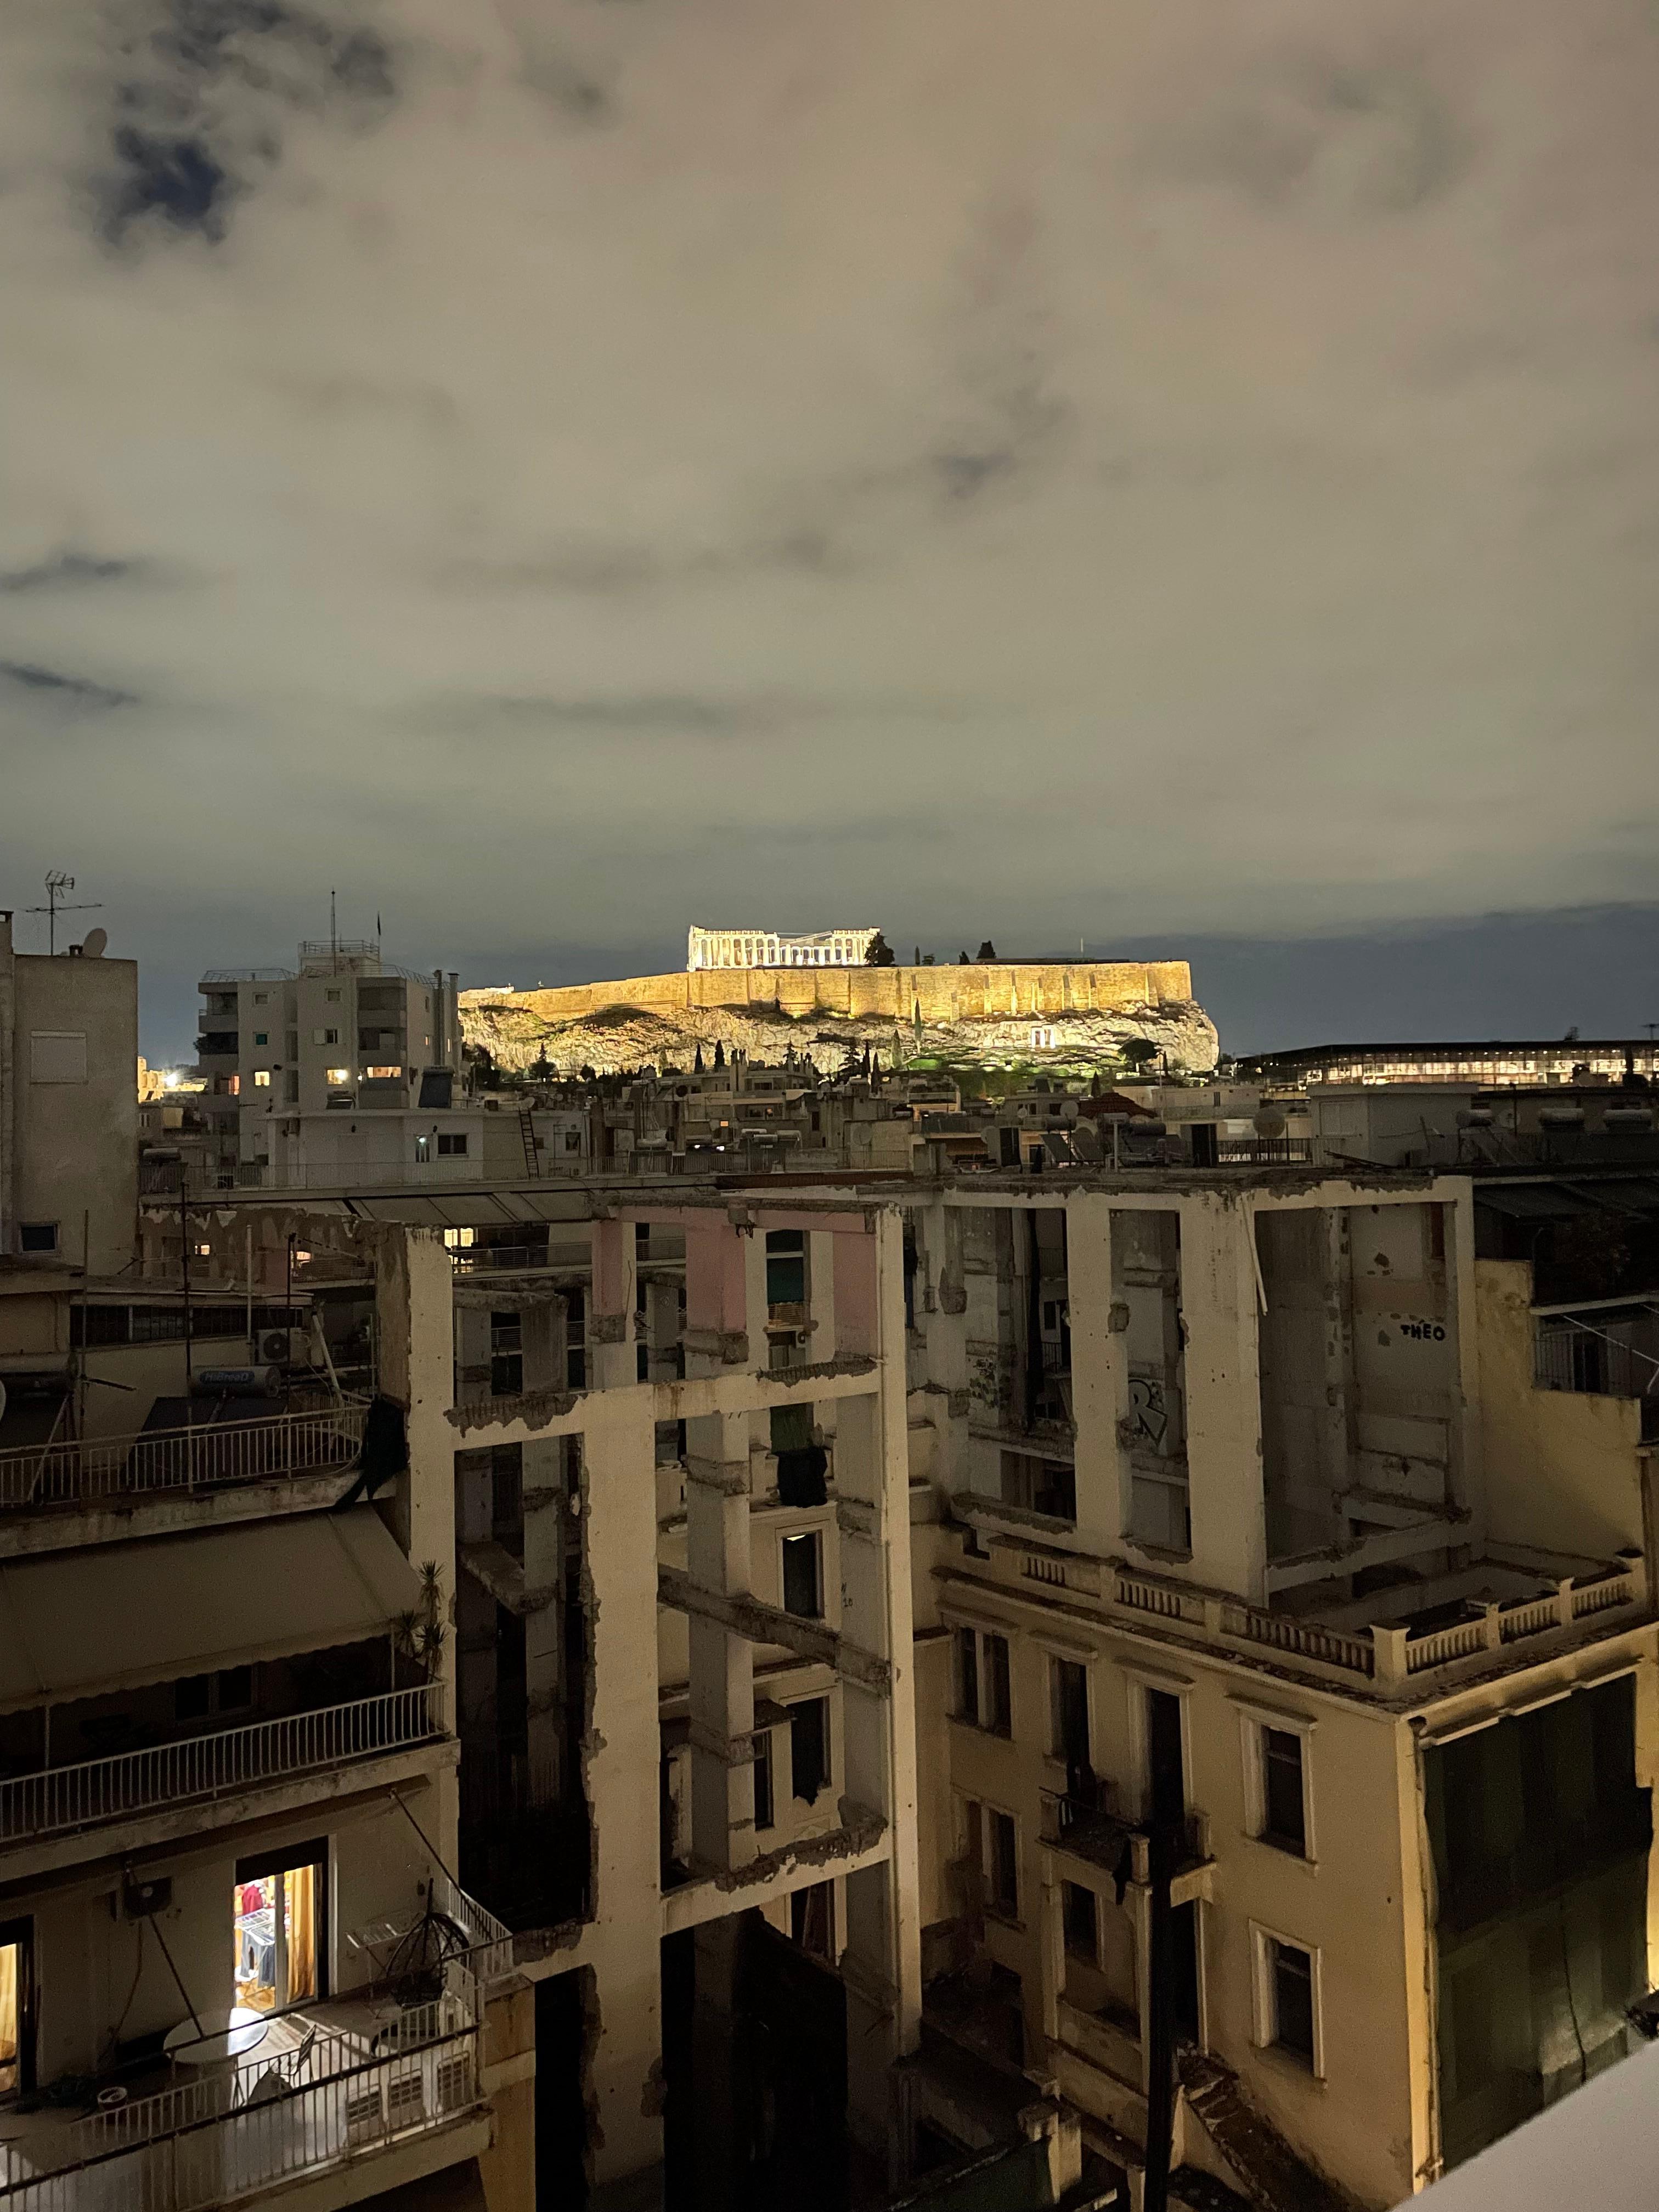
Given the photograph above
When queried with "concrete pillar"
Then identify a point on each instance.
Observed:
(541, 1500)
(1100, 1375)
(881, 1960)
(1223, 1394)
(613, 1361)
(620, 1761)
(415, 1303)
(722, 1680)
(946, 1326)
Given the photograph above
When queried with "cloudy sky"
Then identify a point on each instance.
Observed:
(1135, 471)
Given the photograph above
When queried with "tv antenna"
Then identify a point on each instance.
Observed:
(57, 884)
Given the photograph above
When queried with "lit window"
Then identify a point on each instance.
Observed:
(262, 1078)
(16, 2009)
(384, 1074)
(235, 1087)
(204, 1251)
(458, 1239)
(339, 1075)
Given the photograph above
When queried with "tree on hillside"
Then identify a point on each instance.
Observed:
(962, 961)
(720, 1053)
(880, 954)
(1138, 1053)
(987, 950)
(696, 1064)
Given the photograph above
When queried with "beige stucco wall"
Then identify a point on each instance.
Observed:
(77, 1143)
(1562, 1468)
(944, 994)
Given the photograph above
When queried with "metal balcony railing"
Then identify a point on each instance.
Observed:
(36, 1475)
(486, 1258)
(236, 2134)
(59, 1799)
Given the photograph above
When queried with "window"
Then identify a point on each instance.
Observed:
(967, 1675)
(261, 999)
(386, 1073)
(1081, 1916)
(812, 1919)
(1003, 1895)
(802, 1581)
(809, 1747)
(58, 1055)
(786, 1267)
(37, 1235)
(984, 1690)
(278, 1906)
(424, 1148)
(451, 1143)
(1285, 1976)
(505, 1355)
(1277, 1791)
(999, 1696)
(1166, 1767)
(325, 1036)
(332, 997)
(1285, 1824)
(1069, 1681)
(16, 2006)
(261, 1037)
(764, 1815)
(262, 1078)
(202, 1696)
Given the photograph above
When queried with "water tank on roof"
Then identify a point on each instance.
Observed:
(1560, 1117)
(1475, 1117)
(1624, 1121)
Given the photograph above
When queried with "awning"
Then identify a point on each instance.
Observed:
(1533, 1201)
(84, 1623)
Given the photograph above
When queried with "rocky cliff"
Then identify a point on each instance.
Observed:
(1042, 1016)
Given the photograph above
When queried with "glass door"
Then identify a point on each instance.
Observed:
(278, 1907)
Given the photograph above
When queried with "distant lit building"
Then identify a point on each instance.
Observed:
(771, 948)
(1555, 1059)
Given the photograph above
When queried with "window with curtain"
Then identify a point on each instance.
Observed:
(278, 1907)
(16, 2009)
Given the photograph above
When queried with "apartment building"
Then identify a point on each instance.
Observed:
(1226, 1657)
(235, 1966)
(69, 1105)
(345, 1067)
(1251, 1562)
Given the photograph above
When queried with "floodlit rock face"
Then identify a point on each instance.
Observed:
(1084, 1012)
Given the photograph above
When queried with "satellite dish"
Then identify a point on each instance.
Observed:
(93, 943)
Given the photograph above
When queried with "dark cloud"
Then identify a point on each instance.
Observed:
(200, 109)
(67, 571)
(25, 675)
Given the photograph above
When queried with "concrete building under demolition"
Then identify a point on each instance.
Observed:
(1154, 1669)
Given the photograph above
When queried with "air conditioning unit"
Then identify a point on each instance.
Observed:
(274, 1344)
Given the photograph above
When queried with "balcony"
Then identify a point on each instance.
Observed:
(328, 2083)
(1088, 1828)
(506, 1259)
(59, 1801)
(37, 1478)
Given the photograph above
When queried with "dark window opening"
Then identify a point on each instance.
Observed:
(999, 1694)
(1183, 1954)
(37, 1236)
(1293, 2006)
(1166, 1768)
(809, 1747)
(811, 1920)
(1287, 1817)
(451, 1143)
(1081, 1912)
(967, 1675)
(201, 1697)
(1005, 1865)
(801, 1579)
(764, 1815)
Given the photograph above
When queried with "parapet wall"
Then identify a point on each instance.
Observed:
(942, 994)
